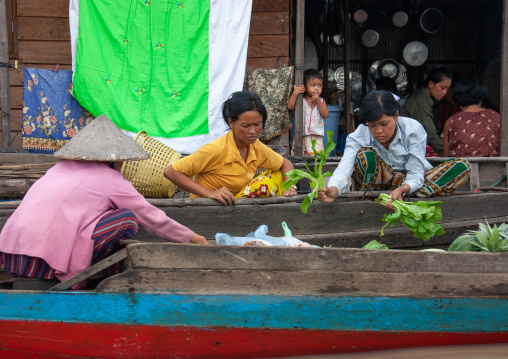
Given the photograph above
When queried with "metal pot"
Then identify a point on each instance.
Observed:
(415, 53)
(431, 20)
(388, 68)
(370, 38)
(399, 19)
(360, 16)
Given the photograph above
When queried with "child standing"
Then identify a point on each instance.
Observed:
(314, 110)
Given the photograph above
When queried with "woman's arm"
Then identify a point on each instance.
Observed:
(222, 195)
(446, 141)
(286, 167)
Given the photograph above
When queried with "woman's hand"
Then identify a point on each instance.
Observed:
(223, 195)
(290, 192)
(327, 195)
(396, 194)
(196, 238)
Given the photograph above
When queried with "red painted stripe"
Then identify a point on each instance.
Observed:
(34, 340)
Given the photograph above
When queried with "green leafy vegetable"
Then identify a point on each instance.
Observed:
(420, 216)
(375, 245)
(315, 176)
(485, 239)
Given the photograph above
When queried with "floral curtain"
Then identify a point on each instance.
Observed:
(51, 116)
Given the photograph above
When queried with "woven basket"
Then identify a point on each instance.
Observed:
(148, 176)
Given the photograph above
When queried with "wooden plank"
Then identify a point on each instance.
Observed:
(267, 46)
(269, 23)
(16, 77)
(26, 158)
(331, 283)
(43, 8)
(13, 34)
(333, 217)
(397, 238)
(16, 120)
(299, 63)
(90, 271)
(4, 77)
(187, 256)
(474, 177)
(267, 63)
(44, 28)
(16, 97)
(15, 139)
(14, 188)
(270, 5)
(503, 133)
(45, 52)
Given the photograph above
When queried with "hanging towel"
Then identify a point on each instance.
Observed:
(164, 67)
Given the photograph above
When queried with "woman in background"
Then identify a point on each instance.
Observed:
(474, 131)
(419, 105)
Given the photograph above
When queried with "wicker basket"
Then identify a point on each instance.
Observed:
(148, 176)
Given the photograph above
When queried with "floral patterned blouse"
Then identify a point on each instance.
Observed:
(474, 134)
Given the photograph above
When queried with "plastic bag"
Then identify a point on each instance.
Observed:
(261, 238)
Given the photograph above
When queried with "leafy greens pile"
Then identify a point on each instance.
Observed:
(485, 239)
(375, 245)
(420, 216)
(315, 176)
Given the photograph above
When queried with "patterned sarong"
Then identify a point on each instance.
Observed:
(371, 172)
(119, 224)
(267, 184)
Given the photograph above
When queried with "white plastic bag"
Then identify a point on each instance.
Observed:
(261, 238)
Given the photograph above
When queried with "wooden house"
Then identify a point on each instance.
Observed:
(39, 37)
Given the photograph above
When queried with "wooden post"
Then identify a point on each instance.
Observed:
(347, 68)
(299, 45)
(503, 145)
(5, 100)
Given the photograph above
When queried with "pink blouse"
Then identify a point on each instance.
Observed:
(56, 218)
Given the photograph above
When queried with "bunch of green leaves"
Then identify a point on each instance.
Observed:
(420, 216)
(375, 245)
(485, 239)
(315, 176)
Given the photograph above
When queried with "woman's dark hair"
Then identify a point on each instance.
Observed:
(469, 92)
(437, 74)
(376, 104)
(240, 102)
(310, 74)
(387, 84)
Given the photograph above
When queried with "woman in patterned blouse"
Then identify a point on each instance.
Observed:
(474, 131)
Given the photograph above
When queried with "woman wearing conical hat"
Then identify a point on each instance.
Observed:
(75, 215)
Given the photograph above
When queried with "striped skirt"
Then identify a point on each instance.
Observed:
(371, 172)
(119, 224)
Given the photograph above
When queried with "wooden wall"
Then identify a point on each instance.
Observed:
(44, 41)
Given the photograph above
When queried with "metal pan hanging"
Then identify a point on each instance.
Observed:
(415, 53)
(370, 38)
(431, 20)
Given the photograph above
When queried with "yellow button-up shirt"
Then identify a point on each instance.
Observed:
(219, 164)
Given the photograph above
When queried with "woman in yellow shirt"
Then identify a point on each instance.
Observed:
(224, 168)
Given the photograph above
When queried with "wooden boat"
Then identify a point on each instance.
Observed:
(189, 301)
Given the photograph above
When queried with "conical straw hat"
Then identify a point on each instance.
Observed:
(102, 140)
